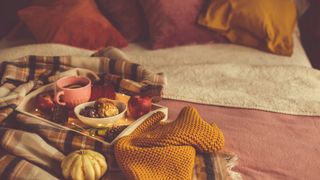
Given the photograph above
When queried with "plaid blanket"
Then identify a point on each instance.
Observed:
(33, 149)
(19, 77)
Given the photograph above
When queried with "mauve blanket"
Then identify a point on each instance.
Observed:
(270, 145)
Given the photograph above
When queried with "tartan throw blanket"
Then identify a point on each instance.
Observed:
(27, 73)
(33, 149)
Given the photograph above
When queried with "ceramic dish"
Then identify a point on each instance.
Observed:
(101, 122)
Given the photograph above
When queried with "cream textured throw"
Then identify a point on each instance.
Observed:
(282, 88)
(264, 82)
(285, 89)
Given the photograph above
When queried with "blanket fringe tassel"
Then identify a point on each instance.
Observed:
(232, 161)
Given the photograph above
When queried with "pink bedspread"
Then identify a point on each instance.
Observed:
(269, 145)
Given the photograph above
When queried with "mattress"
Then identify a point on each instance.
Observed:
(137, 52)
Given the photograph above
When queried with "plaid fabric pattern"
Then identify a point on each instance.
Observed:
(213, 166)
(46, 144)
(131, 87)
(13, 167)
(19, 77)
(64, 139)
(39, 147)
(31, 148)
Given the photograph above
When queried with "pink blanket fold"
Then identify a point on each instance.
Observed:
(269, 145)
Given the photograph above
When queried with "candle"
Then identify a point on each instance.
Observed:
(123, 98)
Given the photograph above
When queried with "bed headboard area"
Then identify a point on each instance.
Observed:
(144, 23)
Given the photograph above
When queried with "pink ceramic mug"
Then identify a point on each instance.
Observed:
(72, 91)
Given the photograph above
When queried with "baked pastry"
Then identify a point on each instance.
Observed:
(105, 108)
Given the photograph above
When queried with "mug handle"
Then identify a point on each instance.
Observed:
(57, 98)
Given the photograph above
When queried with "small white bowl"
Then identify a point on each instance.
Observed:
(100, 122)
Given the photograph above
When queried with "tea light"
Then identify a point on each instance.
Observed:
(123, 98)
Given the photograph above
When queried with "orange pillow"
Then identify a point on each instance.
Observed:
(263, 24)
(73, 22)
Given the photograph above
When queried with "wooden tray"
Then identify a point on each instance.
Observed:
(27, 106)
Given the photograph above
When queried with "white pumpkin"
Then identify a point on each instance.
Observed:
(84, 165)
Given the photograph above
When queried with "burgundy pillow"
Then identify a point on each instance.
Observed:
(316, 6)
(73, 22)
(127, 16)
(174, 22)
(8, 17)
(310, 22)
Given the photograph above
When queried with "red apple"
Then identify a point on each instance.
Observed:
(139, 106)
(102, 91)
(45, 102)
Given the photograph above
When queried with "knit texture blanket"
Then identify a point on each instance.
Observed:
(162, 150)
(33, 149)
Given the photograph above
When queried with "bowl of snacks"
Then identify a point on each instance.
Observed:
(101, 113)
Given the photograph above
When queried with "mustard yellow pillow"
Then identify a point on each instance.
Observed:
(263, 24)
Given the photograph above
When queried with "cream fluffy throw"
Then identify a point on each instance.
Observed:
(285, 89)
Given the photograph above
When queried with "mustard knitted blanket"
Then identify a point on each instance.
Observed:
(162, 150)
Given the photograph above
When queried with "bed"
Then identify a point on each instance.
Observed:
(271, 143)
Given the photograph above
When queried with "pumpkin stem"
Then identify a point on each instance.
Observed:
(81, 152)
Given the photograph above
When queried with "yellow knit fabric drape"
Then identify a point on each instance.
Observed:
(160, 150)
